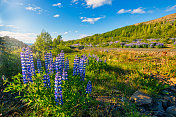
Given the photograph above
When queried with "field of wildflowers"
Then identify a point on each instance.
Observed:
(88, 82)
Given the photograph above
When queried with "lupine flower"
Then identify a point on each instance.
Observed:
(89, 87)
(105, 61)
(46, 81)
(58, 89)
(24, 71)
(66, 64)
(76, 66)
(32, 63)
(64, 75)
(27, 65)
(46, 62)
(39, 66)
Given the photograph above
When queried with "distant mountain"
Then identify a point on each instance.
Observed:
(161, 28)
(10, 43)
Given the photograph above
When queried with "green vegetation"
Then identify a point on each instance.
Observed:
(161, 30)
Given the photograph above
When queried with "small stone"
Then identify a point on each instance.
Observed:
(172, 88)
(171, 110)
(159, 113)
(140, 98)
(160, 107)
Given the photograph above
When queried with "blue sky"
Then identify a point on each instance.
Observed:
(74, 19)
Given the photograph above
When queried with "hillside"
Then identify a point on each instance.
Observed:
(10, 43)
(166, 18)
(161, 28)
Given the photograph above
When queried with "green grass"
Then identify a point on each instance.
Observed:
(125, 72)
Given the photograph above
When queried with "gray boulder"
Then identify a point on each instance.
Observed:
(171, 110)
(140, 98)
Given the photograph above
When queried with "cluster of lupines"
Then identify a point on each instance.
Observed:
(113, 42)
(48, 69)
(27, 64)
(138, 45)
(62, 66)
(79, 66)
(160, 45)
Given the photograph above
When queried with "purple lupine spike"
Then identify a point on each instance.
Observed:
(66, 64)
(23, 67)
(89, 87)
(60, 95)
(56, 88)
(105, 61)
(57, 64)
(75, 66)
(46, 62)
(77, 69)
(48, 81)
(29, 71)
(45, 80)
(39, 66)
(63, 75)
(32, 63)
(54, 66)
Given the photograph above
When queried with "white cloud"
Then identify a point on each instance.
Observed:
(57, 15)
(97, 3)
(9, 26)
(90, 20)
(124, 11)
(25, 37)
(65, 33)
(133, 11)
(171, 8)
(58, 4)
(138, 10)
(76, 31)
(34, 8)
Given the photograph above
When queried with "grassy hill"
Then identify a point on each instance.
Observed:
(10, 43)
(161, 28)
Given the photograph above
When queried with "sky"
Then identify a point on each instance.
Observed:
(75, 19)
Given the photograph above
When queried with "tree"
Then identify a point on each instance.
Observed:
(43, 41)
(57, 40)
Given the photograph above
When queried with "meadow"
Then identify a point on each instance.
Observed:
(102, 87)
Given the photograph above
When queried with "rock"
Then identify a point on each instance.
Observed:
(164, 104)
(171, 110)
(140, 98)
(159, 113)
(159, 106)
(172, 88)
